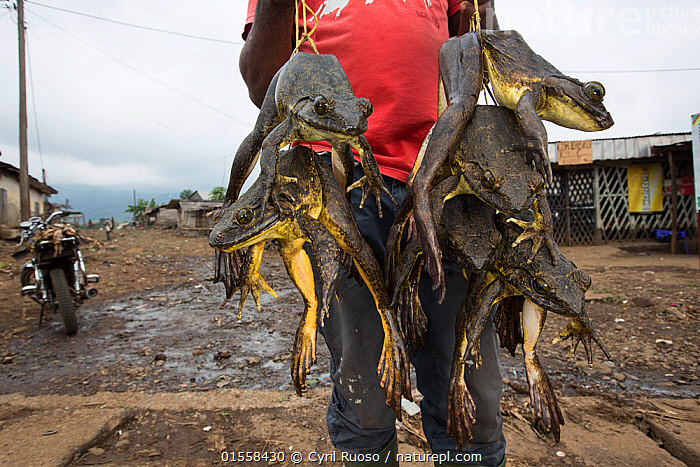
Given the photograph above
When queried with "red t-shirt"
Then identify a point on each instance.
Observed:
(389, 50)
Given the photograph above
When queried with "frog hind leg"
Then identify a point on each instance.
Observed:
(328, 258)
(507, 323)
(298, 266)
(393, 244)
(410, 314)
(544, 403)
(248, 151)
(393, 366)
(484, 291)
(462, 70)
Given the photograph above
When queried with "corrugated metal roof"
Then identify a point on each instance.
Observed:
(630, 147)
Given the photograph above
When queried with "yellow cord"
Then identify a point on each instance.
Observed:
(306, 35)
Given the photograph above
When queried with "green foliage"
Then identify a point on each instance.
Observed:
(184, 194)
(140, 207)
(218, 193)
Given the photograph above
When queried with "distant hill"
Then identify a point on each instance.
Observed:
(98, 202)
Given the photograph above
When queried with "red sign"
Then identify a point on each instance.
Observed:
(685, 185)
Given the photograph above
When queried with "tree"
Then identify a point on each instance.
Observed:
(184, 194)
(218, 193)
(140, 207)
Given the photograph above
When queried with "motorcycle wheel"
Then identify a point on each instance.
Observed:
(27, 277)
(65, 300)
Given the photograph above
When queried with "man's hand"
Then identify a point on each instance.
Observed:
(467, 7)
(486, 11)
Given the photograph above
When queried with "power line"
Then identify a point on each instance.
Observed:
(660, 70)
(123, 63)
(87, 73)
(36, 119)
(148, 28)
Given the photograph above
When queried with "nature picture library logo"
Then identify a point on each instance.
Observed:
(597, 18)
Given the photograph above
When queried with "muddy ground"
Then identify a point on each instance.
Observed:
(159, 374)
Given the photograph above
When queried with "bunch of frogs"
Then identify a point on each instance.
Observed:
(311, 207)
(523, 82)
(482, 242)
(309, 99)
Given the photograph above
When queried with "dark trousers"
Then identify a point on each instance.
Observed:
(359, 421)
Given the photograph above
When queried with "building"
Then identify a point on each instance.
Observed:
(590, 192)
(9, 199)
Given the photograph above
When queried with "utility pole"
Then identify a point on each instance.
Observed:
(24, 208)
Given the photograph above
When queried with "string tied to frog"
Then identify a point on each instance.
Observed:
(301, 8)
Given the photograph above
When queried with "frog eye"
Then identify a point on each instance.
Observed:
(488, 181)
(594, 91)
(541, 286)
(321, 105)
(244, 216)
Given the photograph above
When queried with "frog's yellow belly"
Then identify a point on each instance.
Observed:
(506, 93)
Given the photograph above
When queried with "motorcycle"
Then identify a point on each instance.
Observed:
(56, 275)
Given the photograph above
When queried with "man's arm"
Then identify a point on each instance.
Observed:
(486, 11)
(268, 46)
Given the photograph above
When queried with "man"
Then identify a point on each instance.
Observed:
(389, 50)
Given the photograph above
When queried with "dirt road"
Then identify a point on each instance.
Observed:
(158, 374)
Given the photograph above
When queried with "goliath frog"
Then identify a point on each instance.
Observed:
(523, 82)
(488, 161)
(309, 99)
(313, 208)
(544, 287)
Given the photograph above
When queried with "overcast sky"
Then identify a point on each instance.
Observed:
(125, 107)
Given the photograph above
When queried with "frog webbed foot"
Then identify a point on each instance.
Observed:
(461, 410)
(532, 231)
(411, 317)
(545, 408)
(394, 373)
(536, 150)
(252, 285)
(303, 354)
(581, 332)
(373, 188)
(539, 230)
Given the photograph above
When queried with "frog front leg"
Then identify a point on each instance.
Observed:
(371, 182)
(534, 131)
(284, 134)
(251, 280)
(298, 266)
(539, 231)
(580, 330)
(542, 397)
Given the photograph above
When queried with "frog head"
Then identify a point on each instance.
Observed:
(315, 92)
(245, 222)
(559, 288)
(492, 155)
(467, 232)
(327, 117)
(249, 220)
(572, 104)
